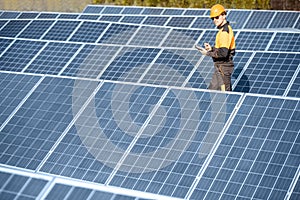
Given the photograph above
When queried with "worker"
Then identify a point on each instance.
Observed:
(222, 52)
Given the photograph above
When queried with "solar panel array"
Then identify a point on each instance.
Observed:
(113, 103)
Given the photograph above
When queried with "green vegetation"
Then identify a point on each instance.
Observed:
(242, 4)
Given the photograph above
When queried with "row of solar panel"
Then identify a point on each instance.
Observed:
(239, 19)
(29, 186)
(255, 72)
(126, 34)
(108, 133)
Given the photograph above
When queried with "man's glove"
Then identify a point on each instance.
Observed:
(201, 49)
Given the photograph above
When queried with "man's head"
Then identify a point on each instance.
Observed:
(218, 14)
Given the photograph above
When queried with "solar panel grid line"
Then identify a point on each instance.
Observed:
(185, 83)
(5, 50)
(82, 108)
(45, 33)
(21, 103)
(293, 185)
(243, 71)
(43, 194)
(296, 22)
(272, 19)
(109, 63)
(71, 59)
(149, 67)
(74, 31)
(34, 57)
(4, 24)
(108, 189)
(288, 88)
(248, 18)
(104, 32)
(271, 41)
(136, 137)
(215, 147)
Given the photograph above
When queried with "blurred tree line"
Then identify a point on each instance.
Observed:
(233, 4)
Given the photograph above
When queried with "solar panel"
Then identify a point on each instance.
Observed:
(259, 19)
(269, 73)
(149, 36)
(289, 42)
(36, 29)
(38, 123)
(284, 20)
(257, 157)
(13, 28)
(9, 15)
(20, 53)
(15, 186)
(61, 30)
(253, 40)
(52, 58)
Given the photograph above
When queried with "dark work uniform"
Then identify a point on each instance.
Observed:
(222, 54)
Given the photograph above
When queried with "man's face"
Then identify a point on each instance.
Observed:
(219, 20)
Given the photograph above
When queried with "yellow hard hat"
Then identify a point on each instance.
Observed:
(216, 10)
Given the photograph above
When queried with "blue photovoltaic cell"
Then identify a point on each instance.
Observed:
(32, 131)
(173, 12)
(53, 58)
(202, 75)
(204, 23)
(294, 90)
(19, 55)
(2, 23)
(20, 187)
(152, 11)
(149, 36)
(118, 34)
(172, 68)
(284, 20)
(259, 155)
(88, 32)
(111, 121)
(4, 43)
(13, 28)
(289, 42)
(68, 16)
(89, 17)
(61, 30)
(112, 10)
(195, 12)
(253, 40)
(152, 20)
(240, 61)
(93, 9)
(133, 19)
(184, 22)
(36, 29)
(91, 61)
(209, 36)
(182, 123)
(259, 19)
(132, 10)
(269, 73)
(28, 15)
(110, 18)
(13, 89)
(237, 18)
(47, 16)
(182, 38)
(130, 64)
(9, 15)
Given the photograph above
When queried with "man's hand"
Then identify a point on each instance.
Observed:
(201, 49)
(207, 46)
